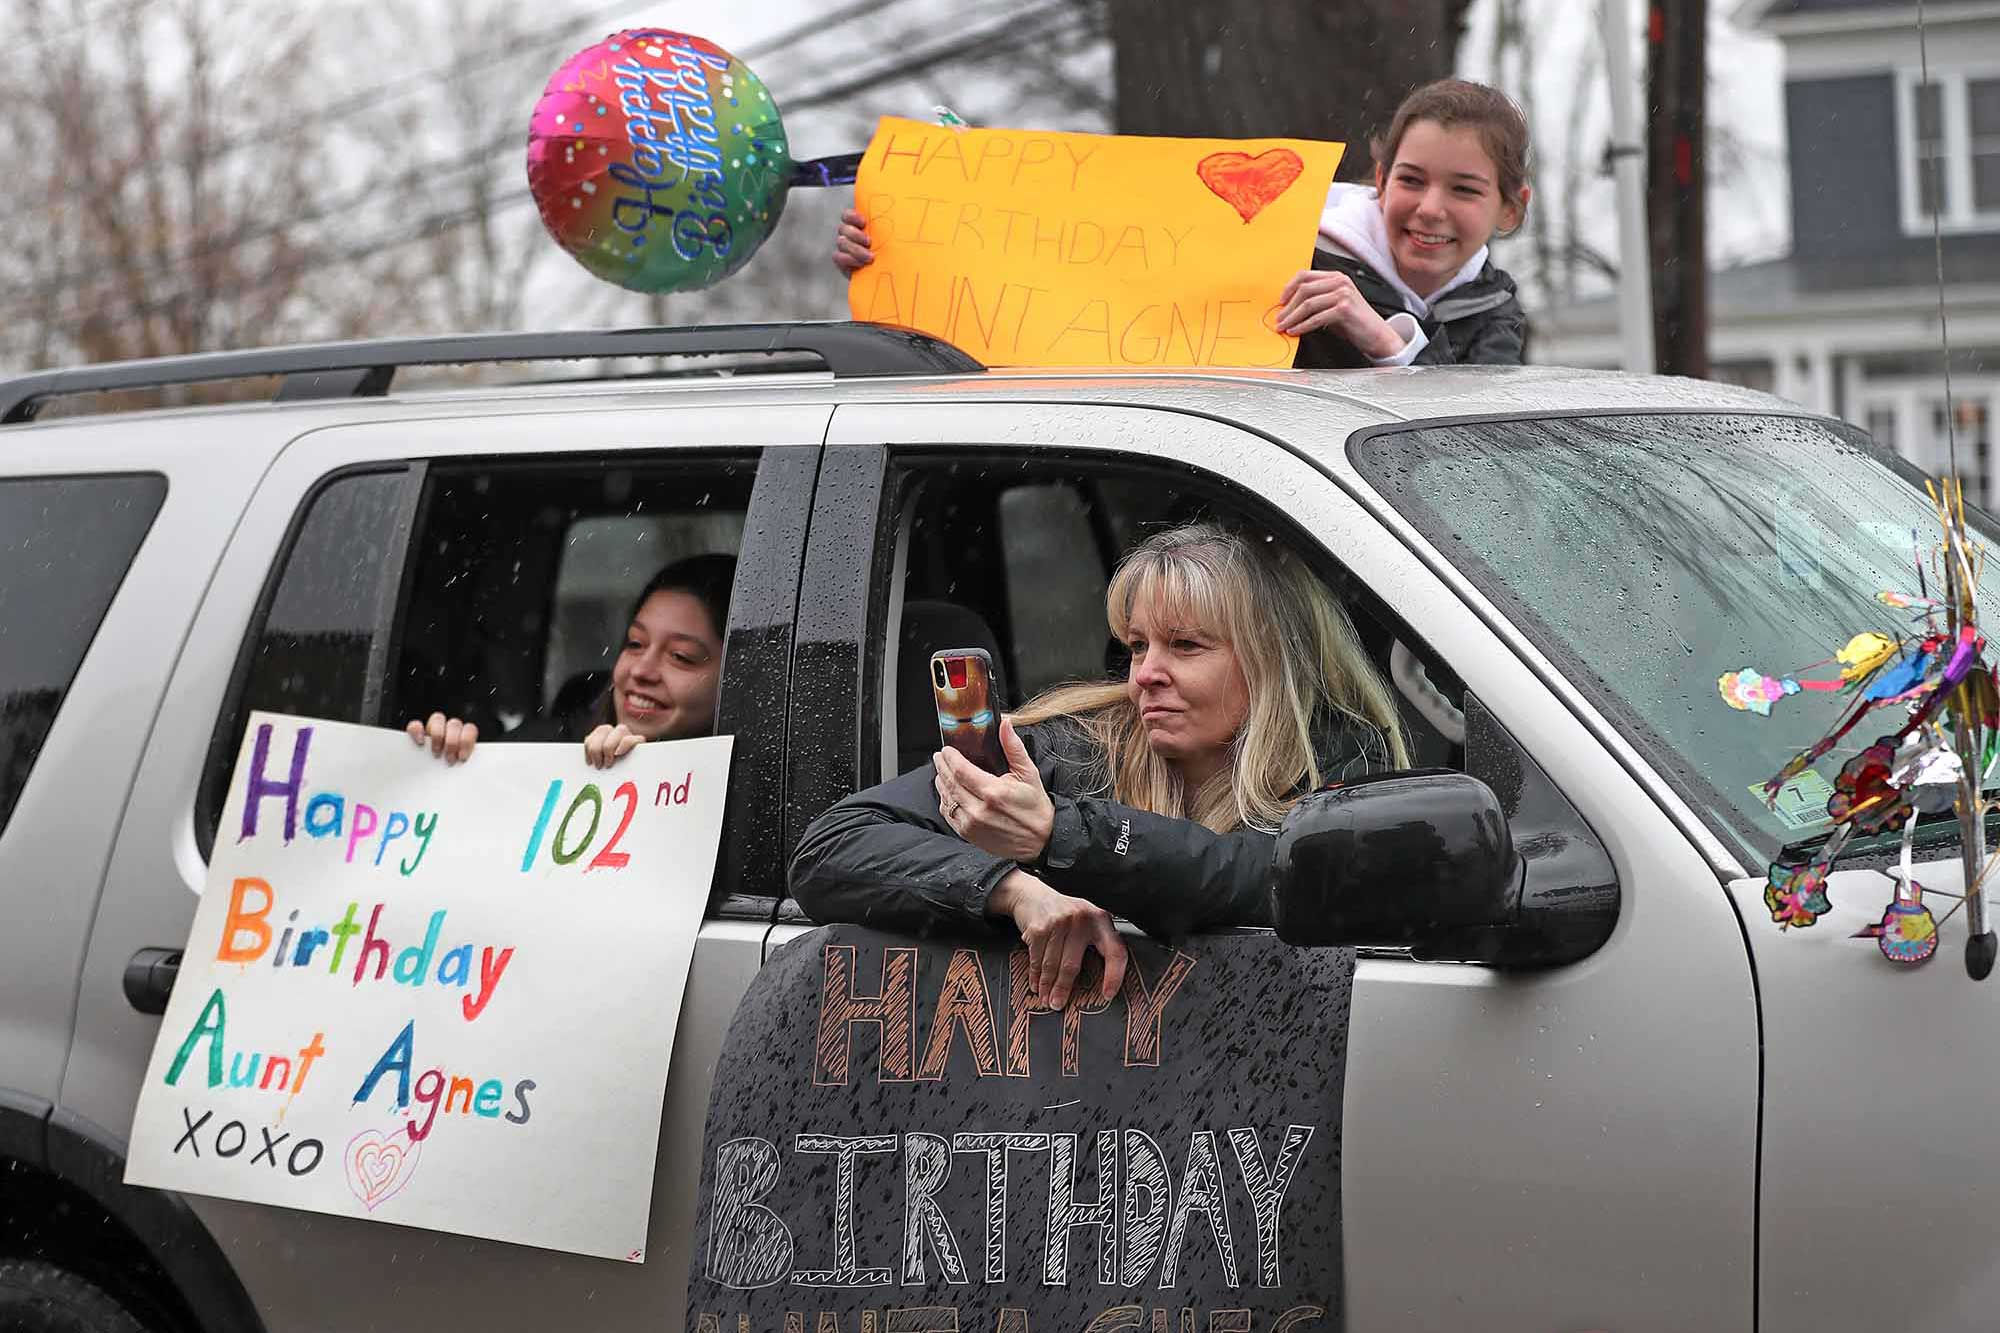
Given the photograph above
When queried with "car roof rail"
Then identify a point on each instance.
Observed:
(367, 368)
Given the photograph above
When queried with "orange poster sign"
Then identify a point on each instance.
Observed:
(1026, 247)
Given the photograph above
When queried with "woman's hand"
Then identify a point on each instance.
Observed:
(1321, 300)
(1008, 815)
(1057, 930)
(607, 744)
(449, 738)
(850, 244)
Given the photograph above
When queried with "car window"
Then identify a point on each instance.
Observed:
(1649, 556)
(1054, 576)
(65, 545)
(604, 557)
(311, 649)
(493, 591)
(1015, 554)
(523, 576)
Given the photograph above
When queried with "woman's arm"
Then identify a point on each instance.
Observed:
(886, 858)
(1173, 876)
(1168, 876)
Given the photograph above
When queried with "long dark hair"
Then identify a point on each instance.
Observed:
(707, 578)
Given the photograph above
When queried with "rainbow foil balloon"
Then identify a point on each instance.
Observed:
(657, 159)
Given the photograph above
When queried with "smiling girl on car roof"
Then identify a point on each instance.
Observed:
(1400, 275)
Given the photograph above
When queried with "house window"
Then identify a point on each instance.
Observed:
(1972, 439)
(1756, 374)
(1950, 149)
(1982, 118)
(1931, 186)
(1882, 425)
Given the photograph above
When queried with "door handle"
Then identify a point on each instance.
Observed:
(149, 979)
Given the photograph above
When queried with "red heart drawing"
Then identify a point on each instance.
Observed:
(1248, 183)
(379, 1165)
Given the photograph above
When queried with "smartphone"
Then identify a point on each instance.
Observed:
(962, 680)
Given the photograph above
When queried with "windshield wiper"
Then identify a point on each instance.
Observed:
(1805, 850)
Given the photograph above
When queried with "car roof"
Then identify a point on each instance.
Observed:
(340, 384)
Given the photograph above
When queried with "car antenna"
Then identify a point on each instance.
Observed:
(1980, 944)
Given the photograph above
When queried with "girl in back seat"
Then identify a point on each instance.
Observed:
(664, 681)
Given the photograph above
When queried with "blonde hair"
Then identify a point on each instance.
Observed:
(1300, 660)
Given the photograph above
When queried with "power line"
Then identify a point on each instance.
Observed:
(423, 171)
(362, 99)
(995, 39)
(405, 85)
(944, 53)
(82, 29)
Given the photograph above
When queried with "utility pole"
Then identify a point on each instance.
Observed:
(1626, 156)
(1676, 206)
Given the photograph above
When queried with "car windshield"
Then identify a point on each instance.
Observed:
(1648, 555)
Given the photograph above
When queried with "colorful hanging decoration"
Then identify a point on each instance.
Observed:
(1907, 933)
(1865, 794)
(659, 162)
(1796, 894)
(1934, 761)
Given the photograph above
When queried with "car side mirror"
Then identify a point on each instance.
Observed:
(1411, 859)
(1493, 865)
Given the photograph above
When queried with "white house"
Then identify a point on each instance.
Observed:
(1848, 322)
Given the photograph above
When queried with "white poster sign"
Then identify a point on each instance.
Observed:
(438, 996)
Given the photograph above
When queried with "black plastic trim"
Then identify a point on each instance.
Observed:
(831, 713)
(227, 737)
(393, 583)
(89, 1159)
(368, 368)
(757, 682)
(9, 801)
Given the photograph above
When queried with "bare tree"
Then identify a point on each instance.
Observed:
(1252, 68)
(454, 165)
(154, 220)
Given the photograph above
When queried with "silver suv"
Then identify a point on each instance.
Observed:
(1627, 1101)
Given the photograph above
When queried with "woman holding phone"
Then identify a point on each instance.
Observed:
(1156, 798)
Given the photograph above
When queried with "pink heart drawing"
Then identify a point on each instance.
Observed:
(379, 1165)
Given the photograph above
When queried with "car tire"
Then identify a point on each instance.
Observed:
(40, 1297)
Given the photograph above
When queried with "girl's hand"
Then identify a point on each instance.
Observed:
(850, 244)
(1009, 815)
(1321, 300)
(1058, 930)
(450, 739)
(608, 744)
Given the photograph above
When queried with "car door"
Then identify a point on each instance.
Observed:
(320, 578)
(1570, 1147)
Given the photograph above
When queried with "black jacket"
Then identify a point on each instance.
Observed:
(1479, 324)
(886, 858)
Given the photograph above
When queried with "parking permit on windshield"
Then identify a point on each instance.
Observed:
(1800, 803)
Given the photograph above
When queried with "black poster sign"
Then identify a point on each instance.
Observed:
(898, 1142)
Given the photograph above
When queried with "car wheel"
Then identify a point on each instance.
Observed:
(39, 1297)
